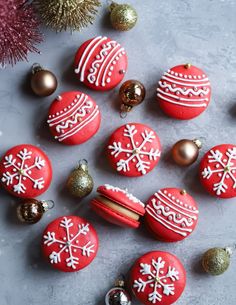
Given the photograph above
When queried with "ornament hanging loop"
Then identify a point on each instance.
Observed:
(47, 205)
(82, 164)
(123, 114)
(36, 68)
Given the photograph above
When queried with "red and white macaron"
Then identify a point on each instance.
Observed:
(171, 214)
(118, 206)
(73, 118)
(158, 278)
(134, 149)
(25, 171)
(184, 92)
(218, 171)
(69, 243)
(101, 63)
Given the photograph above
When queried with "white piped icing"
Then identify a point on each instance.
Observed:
(127, 194)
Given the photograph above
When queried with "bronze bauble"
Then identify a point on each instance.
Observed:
(185, 152)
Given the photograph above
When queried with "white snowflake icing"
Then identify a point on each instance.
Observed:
(135, 151)
(69, 243)
(22, 171)
(224, 169)
(130, 196)
(156, 279)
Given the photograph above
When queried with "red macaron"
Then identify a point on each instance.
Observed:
(118, 206)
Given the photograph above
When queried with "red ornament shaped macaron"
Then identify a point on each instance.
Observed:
(69, 243)
(184, 92)
(118, 206)
(171, 214)
(73, 118)
(134, 149)
(218, 171)
(100, 63)
(158, 278)
(25, 171)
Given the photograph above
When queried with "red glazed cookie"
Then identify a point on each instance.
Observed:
(184, 92)
(25, 171)
(158, 278)
(118, 206)
(73, 118)
(101, 63)
(70, 243)
(218, 171)
(134, 149)
(171, 214)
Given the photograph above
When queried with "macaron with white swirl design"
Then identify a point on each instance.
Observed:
(100, 63)
(73, 118)
(184, 92)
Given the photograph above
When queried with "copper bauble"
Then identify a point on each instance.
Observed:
(185, 152)
(123, 16)
(80, 183)
(43, 82)
(31, 210)
(216, 261)
(131, 93)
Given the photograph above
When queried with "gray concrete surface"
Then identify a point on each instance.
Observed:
(169, 32)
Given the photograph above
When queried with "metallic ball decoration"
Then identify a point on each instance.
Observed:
(131, 94)
(185, 152)
(216, 261)
(117, 296)
(123, 16)
(31, 210)
(43, 82)
(80, 183)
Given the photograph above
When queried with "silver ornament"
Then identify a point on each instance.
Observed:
(117, 296)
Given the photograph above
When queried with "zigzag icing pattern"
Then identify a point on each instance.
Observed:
(184, 91)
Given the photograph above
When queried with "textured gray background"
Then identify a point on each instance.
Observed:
(168, 33)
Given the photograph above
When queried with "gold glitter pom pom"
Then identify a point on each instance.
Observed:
(67, 14)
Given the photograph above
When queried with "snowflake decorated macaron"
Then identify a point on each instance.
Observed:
(118, 206)
(171, 214)
(184, 92)
(73, 118)
(218, 171)
(134, 149)
(70, 243)
(25, 171)
(100, 63)
(158, 278)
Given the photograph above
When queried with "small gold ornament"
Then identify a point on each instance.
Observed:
(216, 260)
(43, 82)
(67, 14)
(132, 93)
(185, 152)
(80, 183)
(123, 16)
(31, 210)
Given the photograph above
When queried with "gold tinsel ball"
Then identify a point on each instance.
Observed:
(216, 261)
(80, 182)
(123, 16)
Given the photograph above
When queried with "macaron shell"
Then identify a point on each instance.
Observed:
(160, 264)
(83, 240)
(170, 215)
(101, 63)
(217, 171)
(74, 118)
(184, 93)
(134, 149)
(36, 165)
(122, 197)
(113, 216)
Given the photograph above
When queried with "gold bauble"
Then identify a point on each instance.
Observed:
(185, 152)
(216, 261)
(123, 16)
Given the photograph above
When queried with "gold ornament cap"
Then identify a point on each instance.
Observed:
(198, 143)
(187, 66)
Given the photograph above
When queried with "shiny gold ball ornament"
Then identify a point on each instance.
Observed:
(31, 210)
(216, 261)
(80, 182)
(132, 93)
(123, 16)
(43, 82)
(185, 152)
